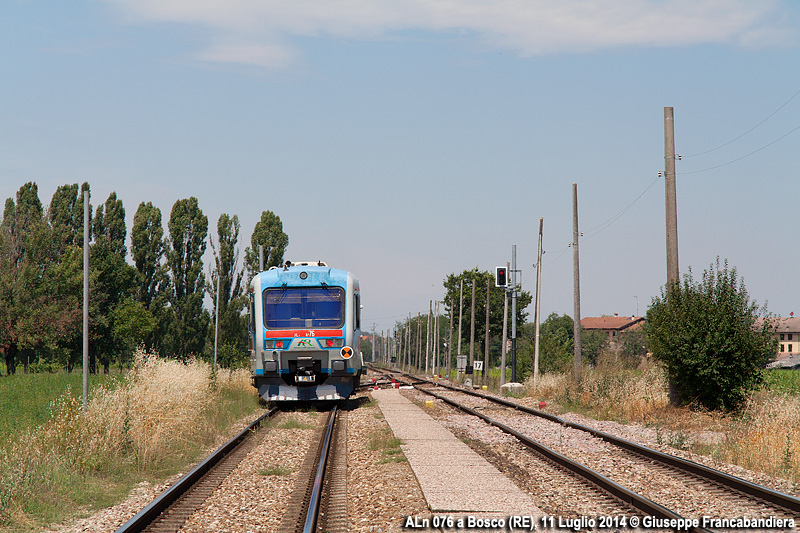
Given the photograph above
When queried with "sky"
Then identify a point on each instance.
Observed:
(408, 140)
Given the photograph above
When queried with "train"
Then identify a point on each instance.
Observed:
(305, 332)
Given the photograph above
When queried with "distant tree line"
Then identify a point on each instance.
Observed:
(156, 299)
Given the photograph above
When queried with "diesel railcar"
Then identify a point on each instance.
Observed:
(305, 331)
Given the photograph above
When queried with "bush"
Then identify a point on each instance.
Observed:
(705, 333)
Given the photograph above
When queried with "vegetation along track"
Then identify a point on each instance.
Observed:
(685, 487)
(170, 510)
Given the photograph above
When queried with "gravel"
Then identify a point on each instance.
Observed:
(381, 490)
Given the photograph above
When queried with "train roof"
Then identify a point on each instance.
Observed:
(304, 274)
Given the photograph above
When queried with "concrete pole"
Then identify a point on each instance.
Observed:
(671, 200)
(216, 322)
(428, 341)
(486, 341)
(472, 332)
(460, 313)
(537, 316)
(261, 258)
(450, 342)
(576, 287)
(505, 336)
(671, 196)
(436, 350)
(514, 313)
(85, 301)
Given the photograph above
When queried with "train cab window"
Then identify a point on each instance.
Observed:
(304, 307)
(357, 310)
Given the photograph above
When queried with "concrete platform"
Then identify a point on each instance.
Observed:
(453, 478)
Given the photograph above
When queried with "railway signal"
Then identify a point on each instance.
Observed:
(500, 277)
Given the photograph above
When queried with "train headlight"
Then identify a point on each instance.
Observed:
(271, 344)
(334, 343)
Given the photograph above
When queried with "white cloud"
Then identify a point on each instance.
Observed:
(528, 27)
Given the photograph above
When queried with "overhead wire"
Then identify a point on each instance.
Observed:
(748, 131)
(742, 157)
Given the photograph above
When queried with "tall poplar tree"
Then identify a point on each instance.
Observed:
(112, 279)
(188, 228)
(233, 330)
(267, 232)
(148, 251)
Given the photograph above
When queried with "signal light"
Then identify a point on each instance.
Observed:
(500, 278)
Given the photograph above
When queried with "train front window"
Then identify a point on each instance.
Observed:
(304, 307)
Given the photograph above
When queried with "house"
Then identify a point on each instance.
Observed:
(787, 331)
(612, 325)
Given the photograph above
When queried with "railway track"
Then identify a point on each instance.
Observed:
(171, 509)
(700, 488)
(324, 471)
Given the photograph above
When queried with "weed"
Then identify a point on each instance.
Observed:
(388, 445)
(276, 471)
(293, 423)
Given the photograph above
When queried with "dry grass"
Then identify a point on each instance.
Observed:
(764, 436)
(155, 420)
(615, 388)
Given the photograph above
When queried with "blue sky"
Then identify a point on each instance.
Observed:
(408, 140)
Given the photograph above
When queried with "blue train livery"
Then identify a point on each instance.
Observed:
(305, 331)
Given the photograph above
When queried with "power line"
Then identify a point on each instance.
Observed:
(744, 156)
(748, 131)
(607, 224)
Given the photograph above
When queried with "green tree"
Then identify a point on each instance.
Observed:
(268, 232)
(632, 343)
(38, 284)
(188, 324)
(148, 253)
(593, 343)
(112, 280)
(706, 334)
(232, 325)
(132, 324)
(452, 284)
(556, 346)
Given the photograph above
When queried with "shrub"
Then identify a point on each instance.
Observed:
(705, 333)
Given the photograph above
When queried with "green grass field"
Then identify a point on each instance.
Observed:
(25, 398)
(56, 461)
(780, 380)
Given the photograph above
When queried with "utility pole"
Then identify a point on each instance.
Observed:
(85, 300)
(216, 320)
(450, 342)
(486, 341)
(576, 287)
(671, 200)
(514, 313)
(505, 337)
(419, 341)
(430, 331)
(671, 196)
(436, 339)
(460, 313)
(537, 318)
(472, 331)
(261, 258)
